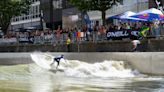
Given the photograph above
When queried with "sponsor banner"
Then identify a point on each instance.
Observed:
(8, 40)
(120, 34)
(26, 39)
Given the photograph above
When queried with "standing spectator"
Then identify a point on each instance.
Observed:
(74, 34)
(151, 29)
(84, 31)
(143, 31)
(156, 29)
(95, 33)
(68, 42)
(78, 34)
(100, 32)
(89, 31)
(162, 27)
(58, 33)
(42, 37)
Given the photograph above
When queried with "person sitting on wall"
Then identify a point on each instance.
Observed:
(135, 45)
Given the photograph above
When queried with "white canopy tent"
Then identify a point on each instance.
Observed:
(150, 14)
(152, 10)
(127, 15)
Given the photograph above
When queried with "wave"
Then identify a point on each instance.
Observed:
(78, 68)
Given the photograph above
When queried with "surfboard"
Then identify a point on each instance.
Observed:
(43, 60)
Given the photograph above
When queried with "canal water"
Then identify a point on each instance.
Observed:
(78, 76)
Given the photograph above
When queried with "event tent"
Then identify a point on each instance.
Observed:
(115, 16)
(126, 16)
(150, 14)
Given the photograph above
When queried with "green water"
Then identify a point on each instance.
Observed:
(30, 78)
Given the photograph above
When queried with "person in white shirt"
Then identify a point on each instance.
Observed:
(135, 45)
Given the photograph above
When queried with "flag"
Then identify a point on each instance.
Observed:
(143, 31)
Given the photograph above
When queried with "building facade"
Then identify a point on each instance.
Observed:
(128, 5)
(52, 12)
(59, 12)
(159, 4)
(32, 19)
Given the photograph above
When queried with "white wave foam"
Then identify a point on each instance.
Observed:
(42, 60)
(102, 69)
(77, 68)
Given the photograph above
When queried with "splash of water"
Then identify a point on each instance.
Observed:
(77, 68)
(101, 69)
(42, 60)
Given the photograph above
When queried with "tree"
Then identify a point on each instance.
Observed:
(100, 5)
(82, 5)
(12, 8)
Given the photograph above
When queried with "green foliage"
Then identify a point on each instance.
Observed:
(82, 5)
(11, 8)
(100, 5)
(103, 5)
(94, 4)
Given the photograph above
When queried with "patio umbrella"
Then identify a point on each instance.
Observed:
(150, 15)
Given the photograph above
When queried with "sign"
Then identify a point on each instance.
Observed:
(120, 34)
(8, 40)
(26, 39)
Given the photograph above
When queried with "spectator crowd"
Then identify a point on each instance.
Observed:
(82, 34)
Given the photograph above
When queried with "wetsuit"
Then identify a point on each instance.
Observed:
(57, 59)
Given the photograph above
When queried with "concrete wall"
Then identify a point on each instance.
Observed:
(145, 62)
(151, 45)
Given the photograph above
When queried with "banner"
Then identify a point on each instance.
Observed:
(120, 34)
(26, 39)
(8, 40)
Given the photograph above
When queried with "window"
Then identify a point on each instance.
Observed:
(34, 12)
(57, 4)
(37, 9)
(16, 19)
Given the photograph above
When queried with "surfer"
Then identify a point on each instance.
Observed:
(57, 59)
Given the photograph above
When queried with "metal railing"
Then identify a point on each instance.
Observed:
(76, 37)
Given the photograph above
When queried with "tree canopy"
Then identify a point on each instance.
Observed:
(12, 8)
(100, 5)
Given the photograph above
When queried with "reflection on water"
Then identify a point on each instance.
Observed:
(31, 78)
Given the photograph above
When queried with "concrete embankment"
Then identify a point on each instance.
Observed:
(145, 62)
(147, 45)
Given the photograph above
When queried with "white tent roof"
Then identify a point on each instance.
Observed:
(152, 10)
(127, 15)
